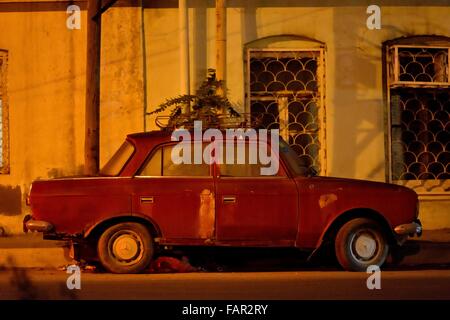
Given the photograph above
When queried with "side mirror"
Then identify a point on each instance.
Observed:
(312, 172)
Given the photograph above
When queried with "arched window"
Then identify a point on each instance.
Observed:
(4, 136)
(285, 91)
(418, 93)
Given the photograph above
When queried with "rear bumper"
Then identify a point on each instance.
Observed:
(29, 224)
(409, 229)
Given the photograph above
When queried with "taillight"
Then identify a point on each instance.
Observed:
(27, 198)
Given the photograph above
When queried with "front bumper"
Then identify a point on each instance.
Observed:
(29, 224)
(409, 229)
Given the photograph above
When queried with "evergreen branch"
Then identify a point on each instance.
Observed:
(180, 100)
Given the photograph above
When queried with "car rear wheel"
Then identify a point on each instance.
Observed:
(360, 243)
(125, 248)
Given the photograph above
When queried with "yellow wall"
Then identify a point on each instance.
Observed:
(46, 91)
(46, 75)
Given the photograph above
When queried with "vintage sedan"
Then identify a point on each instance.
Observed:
(142, 201)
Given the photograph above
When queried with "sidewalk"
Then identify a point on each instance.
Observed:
(30, 251)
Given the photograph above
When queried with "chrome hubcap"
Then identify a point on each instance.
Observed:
(126, 247)
(364, 245)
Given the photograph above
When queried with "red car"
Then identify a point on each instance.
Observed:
(142, 200)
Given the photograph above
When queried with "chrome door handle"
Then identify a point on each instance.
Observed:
(229, 199)
(146, 199)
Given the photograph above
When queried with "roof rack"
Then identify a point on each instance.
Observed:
(244, 121)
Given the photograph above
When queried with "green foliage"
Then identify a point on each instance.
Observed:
(206, 105)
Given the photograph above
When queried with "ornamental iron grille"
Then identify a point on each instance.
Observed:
(420, 134)
(427, 66)
(419, 94)
(285, 94)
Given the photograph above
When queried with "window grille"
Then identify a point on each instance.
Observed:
(418, 87)
(420, 134)
(286, 92)
(418, 66)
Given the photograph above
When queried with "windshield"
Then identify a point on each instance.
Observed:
(118, 160)
(292, 159)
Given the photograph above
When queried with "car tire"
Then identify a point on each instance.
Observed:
(360, 243)
(125, 248)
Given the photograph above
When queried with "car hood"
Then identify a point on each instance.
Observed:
(347, 182)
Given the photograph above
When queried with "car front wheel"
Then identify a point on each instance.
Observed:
(125, 248)
(360, 243)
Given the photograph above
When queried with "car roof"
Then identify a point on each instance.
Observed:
(150, 134)
(168, 133)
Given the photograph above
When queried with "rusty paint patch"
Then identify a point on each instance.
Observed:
(327, 199)
(10, 200)
(206, 215)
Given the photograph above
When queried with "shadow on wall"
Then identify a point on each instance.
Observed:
(63, 172)
(10, 200)
(358, 120)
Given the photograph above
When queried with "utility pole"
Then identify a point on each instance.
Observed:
(221, 43)
(92, 117)
(92, 124)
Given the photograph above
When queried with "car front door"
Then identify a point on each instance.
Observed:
(254, 207)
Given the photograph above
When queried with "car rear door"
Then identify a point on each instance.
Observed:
(178, 197)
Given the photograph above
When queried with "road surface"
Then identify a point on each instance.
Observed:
(303, 284)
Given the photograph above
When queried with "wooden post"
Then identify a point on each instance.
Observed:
(92, 125)
(221, 43)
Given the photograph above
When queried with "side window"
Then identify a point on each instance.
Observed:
(161, 164)
(245, 162)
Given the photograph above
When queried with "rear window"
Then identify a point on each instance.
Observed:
(118, 160)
